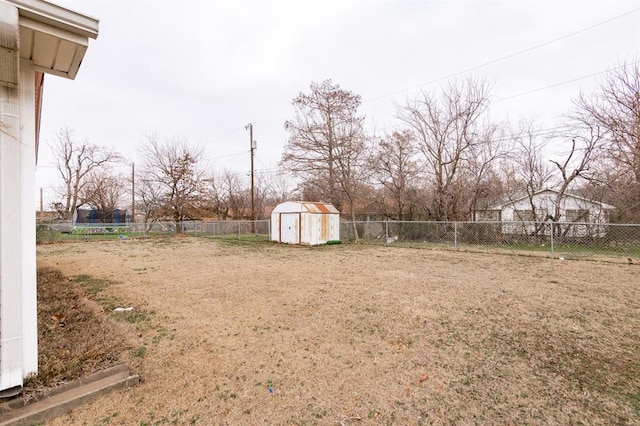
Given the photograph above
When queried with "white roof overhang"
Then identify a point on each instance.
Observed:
(53, 37)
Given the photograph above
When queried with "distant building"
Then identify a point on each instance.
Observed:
(527, 214)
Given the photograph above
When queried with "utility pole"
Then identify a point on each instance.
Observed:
(41, 203)
(133, 193)
(252, 149)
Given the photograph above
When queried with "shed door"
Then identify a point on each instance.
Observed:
(290, 228)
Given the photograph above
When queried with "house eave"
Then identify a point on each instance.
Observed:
(58, 17)
(53, 38)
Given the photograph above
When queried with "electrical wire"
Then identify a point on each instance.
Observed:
(566, 82)
(503, 58)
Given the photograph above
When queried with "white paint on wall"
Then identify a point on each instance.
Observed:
(28, 219)
(11, 174)
(302, 222)
(35, 35)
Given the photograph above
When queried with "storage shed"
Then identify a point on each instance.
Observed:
(304, 222)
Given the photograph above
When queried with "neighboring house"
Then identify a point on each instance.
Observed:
(36, 38)
(528, 214)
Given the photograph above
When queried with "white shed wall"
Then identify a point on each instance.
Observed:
(318, 228)
(292, 225)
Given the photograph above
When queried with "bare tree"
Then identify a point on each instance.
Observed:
(449, 130)
(238, 197)
(280, 188)
(615, 109)
(75, 161)
(214, 196)
(394, 167)
(150, 201)
(227, 195)
(327, 144)
(104, 190)
(527, 171)
(263, 200)
(172, 171)
(481, 176)
(576, 163)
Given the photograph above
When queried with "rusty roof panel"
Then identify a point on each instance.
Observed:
(305, 207)
(318, 208)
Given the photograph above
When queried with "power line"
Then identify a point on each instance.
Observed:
(235, 154)
(509, 56)
(566, 82)
(227, 135)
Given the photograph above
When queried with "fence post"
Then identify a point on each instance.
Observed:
(552, 232)
(386, 230)
(238, 230)
(455, 234)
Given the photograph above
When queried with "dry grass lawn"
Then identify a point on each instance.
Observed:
(253, 333)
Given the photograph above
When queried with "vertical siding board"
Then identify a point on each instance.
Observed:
(10, 174)
(315, 224)
(28, 219)
(10, 244)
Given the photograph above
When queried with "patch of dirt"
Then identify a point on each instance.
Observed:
(348, 334)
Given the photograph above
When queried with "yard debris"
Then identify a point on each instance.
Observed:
(129, 309)
(349, 419)
(59, 319)
(424, 377)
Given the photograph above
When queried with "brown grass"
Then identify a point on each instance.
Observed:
(272, 334)
(75, 337)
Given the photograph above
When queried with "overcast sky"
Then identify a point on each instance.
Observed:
(205, 69)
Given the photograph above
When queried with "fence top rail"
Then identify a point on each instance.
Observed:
(510, 222)
(223, 221)
(101, 225)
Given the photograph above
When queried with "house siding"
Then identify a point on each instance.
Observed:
(579, 217)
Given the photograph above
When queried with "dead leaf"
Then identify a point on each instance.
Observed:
(58, 317)
(424, 377)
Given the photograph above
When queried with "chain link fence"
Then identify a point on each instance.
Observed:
(256, 230)
(224, 228)
(552, 238)
(557, 239)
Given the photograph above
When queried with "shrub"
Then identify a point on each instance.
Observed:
(44, 235)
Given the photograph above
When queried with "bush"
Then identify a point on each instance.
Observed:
(44, 235)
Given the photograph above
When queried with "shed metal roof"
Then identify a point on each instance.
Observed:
(305, 207)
